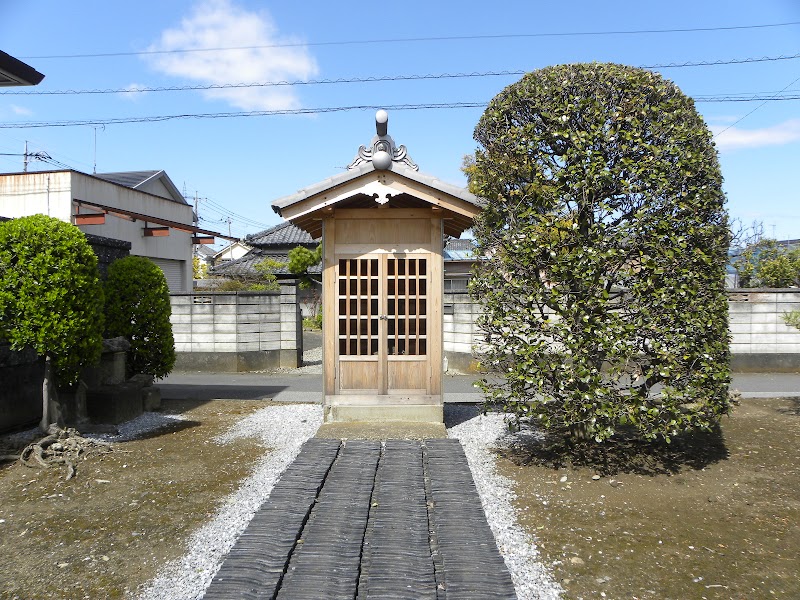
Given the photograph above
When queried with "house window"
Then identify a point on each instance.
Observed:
(455, 285)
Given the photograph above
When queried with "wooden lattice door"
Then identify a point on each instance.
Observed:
(382, 325)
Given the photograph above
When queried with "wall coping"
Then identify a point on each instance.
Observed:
(241, 293)
(792, 290)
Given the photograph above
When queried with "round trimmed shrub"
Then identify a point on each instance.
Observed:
(51, 298)
(137, 307)
(606, 239)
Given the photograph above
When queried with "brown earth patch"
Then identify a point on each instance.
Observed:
(109, 529)
(715, 516)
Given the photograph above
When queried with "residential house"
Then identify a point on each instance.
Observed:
(274, 243)
(141, 207)
(232, 251)
(205, 254)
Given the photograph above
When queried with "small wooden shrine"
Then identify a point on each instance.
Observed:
(382, 224)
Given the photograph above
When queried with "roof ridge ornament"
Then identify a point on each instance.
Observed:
(382, 151)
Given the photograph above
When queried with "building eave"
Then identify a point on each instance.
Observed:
(14, 72)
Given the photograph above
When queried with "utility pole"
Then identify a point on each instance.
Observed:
(229, 226)
(25, 158)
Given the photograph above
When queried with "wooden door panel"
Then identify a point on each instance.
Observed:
(407, 306)
(406, 376)
(360, 376)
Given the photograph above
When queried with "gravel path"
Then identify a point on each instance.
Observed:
(478, 435)
(284, 429)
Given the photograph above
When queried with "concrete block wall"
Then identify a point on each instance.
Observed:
(245, 331)
(460, 314)
(460, 331)
(760, 339)
(237, 331)
(21, 374)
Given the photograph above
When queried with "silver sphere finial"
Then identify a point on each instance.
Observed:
(382, 122)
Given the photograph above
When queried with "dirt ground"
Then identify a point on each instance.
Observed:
(716, 518)
(109, 529)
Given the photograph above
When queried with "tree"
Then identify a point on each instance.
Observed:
(606, 242)
(301, 259)
(51, 298)
(262, 279)
(138, 308)
(768, 264)
(199, 268)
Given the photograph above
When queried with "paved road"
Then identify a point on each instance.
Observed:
(363, 520)
(286, 387)
(289, 387)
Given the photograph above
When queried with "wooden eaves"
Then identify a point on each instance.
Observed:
(359, 188)
(150, 219)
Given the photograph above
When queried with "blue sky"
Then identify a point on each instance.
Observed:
(237, 166)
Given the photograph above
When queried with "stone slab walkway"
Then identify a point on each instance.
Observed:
(361, 519)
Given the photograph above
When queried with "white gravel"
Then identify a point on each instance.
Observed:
(135, 428)
(532, 579)
(282, 430)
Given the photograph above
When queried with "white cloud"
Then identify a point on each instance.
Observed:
(21, 111)
(777, 135)
(222, 24)
(133, 94)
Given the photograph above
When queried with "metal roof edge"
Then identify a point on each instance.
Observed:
(171, 187)
(352, 174)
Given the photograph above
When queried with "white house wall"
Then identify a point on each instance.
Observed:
(53, 194)
(155, 187)
(26, 194)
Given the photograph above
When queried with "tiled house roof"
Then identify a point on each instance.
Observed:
(246, 265)
(456, 249)
(285, 234)
(274, 243)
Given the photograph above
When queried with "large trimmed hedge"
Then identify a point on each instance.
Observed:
(606, 237)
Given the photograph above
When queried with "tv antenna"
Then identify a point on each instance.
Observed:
(96, 127)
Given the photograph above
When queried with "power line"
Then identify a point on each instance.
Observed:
(225, 86)
(219, 209)
(330, 109)
(756, 108)
(224, 115)
(369, 79)
(748, 98)
(422, 39)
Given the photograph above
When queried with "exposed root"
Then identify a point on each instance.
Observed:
(62, 447)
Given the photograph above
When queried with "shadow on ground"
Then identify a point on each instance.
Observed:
(169, 428)
(457, 413)
(793, 408)
(206, 393)
(623, 453)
